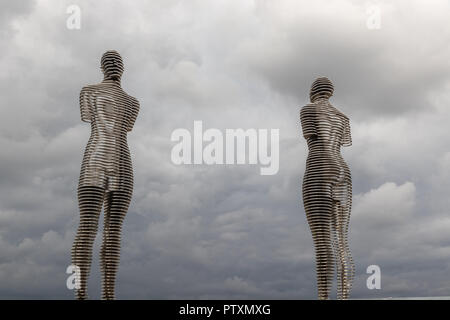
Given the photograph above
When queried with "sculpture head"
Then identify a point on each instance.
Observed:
(321, 88)
(112, 65)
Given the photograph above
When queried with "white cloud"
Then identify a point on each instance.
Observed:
(385, 206)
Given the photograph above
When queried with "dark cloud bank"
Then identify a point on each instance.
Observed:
(226, 231)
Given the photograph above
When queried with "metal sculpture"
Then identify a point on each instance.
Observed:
(327, 188)
(106, 177)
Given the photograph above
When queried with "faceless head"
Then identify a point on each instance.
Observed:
(321, 88)
(112, 65)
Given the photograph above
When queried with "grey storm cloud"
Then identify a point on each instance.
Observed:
(226, 231)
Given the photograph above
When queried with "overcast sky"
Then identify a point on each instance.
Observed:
(206, 232)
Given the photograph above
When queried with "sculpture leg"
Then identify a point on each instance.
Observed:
(90, 201)
(344, 261)
(339, 250)
(350, 266)
(116, 206)
(336, 247)
(318, 213)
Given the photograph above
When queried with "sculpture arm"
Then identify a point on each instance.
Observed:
(347, 136)
(85, 104)
(308, 122)
(134, 113)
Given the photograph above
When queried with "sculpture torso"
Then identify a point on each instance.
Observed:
(112, 113)
(326, 130)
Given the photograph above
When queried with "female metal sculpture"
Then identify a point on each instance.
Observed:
(106, 177)
(327, 188)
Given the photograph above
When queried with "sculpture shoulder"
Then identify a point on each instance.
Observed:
(133, 100)
(89, 88)
(308, 111)
(309, 108)
(337, 111)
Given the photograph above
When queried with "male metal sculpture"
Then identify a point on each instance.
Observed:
(327, 188)
(106, 177)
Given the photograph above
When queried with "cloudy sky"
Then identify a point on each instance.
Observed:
(208, 232)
